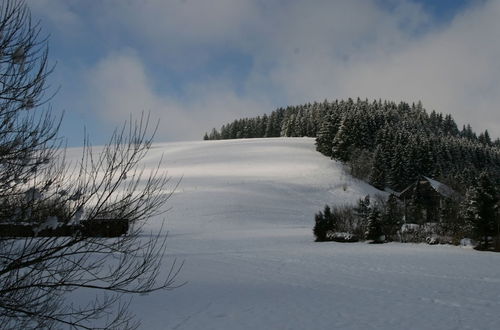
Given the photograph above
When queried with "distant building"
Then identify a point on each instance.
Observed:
(424, 198)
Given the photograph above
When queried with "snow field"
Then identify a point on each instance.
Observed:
(242, 221)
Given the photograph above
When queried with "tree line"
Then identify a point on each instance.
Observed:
(385, 143)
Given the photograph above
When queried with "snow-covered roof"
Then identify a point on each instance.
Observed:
(441, 188)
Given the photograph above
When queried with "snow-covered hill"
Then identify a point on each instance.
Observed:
(253, 183)
(241, 220)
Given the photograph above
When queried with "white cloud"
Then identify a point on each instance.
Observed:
(118, 86)
(455, 70)
(300, 51)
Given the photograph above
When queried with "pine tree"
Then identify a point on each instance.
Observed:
(324, 222)
(287, 126)
(362, 210)
(451, 223)
(341, 148)
(412, 161)
(480, 210)
(320, 227)
(263, 126)
(214, 135)
(329, 219)
(377, 175)
(326, 134)
(484, 138)
(496, 143)
(449, 126)
(374, 231)
(392, 216)
(397, 179)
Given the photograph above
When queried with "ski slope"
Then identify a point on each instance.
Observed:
(241, 220)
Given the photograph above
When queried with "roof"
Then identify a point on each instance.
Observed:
(439, 187)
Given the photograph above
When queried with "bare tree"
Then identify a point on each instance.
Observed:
(38, 275)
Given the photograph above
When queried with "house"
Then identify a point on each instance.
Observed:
(424, 198)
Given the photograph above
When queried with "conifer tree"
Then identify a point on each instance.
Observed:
(324, 223)
(397, 177)
(363, 208)
(449, 126)
(374, 231)
(377, 175)
(480, 210)
(484, 138)
(496, 143)
(341, 148)
(392, 216)
(451, 222)
(326, 134)
(320, 227)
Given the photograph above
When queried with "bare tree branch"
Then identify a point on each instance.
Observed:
(40, 189)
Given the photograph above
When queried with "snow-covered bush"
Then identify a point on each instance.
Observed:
(468, 242)
(411, 232)
(427, 232)
(342, 237)
(339, 223)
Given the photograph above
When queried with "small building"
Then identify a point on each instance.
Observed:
(424, 198)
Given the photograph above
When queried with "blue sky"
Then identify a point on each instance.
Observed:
(444, 9)
(196, 64)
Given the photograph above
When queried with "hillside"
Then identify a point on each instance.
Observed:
(255, 183)
(385, 143)
(241, 220)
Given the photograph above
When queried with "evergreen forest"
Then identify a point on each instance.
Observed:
(385, 143)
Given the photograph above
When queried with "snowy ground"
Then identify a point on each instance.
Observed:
(241, 220)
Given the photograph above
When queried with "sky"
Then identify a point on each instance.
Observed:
(197, 64)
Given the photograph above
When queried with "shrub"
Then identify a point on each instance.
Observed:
(324, 223)
(339, 223)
